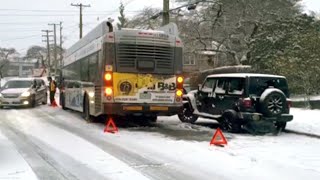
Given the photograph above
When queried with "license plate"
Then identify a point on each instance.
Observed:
(145, 95)
(159, 108)
(132, 108)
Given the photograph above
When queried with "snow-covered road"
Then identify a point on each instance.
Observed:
(49, 143)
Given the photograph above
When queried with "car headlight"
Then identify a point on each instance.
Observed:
(1, 95)
(26, 94)
(91, 94)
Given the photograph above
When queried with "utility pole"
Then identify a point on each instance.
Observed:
(48, 48)
(61, 50)
(81, 7)
(165, 13)
(55, 47)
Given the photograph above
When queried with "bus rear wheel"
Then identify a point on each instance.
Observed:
(86, 110)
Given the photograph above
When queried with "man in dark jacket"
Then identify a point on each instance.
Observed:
(52, 90)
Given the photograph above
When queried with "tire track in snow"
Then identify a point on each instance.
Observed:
(41, 164)
(90, 162)
(302, 133)
(149, 167)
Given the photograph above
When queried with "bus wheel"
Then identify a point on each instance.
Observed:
(86, 110)
(153, 118)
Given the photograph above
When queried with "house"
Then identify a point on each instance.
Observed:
(201, 60)
(21, 68)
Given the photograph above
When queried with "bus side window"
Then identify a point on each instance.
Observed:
(69, 85)
(93, 66)
(76, 85)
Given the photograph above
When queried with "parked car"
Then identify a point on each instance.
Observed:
(23, 92)
(255, 102)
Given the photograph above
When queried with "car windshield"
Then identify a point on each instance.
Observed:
(259, 84)
(17, 84)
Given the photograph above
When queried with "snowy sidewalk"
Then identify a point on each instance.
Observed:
(304, 120)
(12, 164)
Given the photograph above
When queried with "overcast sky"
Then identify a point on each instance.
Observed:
(21, 21)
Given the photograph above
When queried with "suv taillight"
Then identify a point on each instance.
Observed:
(247, 102)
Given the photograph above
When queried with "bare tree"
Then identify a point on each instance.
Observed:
(230, 24)
(5, 54)
(146, 19)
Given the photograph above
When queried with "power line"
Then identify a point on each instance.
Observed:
(41, 15)
(19, 38)
(30, 30)
(25, 23)
(18, 30)
(35, 10)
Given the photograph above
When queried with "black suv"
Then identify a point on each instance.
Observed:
(257, 103)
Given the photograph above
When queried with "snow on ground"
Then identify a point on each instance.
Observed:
(287, 156)
(305, 120)
(12, 165)
(53, 139)
(303, 98)
(170, 144)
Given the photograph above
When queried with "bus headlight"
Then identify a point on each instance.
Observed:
(26, 94)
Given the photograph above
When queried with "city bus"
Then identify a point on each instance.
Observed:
(127, 72)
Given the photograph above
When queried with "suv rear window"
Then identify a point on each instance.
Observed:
(259, 84)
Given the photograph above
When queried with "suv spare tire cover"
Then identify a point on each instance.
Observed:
(272, 102)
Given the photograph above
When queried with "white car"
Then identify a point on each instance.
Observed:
(23, 92)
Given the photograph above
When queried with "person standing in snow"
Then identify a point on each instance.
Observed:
(52, 90)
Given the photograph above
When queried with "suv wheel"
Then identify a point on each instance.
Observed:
(273, 102)
(187, 115)
(228, 122)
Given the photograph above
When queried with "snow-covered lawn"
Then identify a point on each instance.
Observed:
(304, 120)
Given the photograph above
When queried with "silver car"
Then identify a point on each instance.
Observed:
(23, 92)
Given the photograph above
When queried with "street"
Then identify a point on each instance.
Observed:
(49, 143)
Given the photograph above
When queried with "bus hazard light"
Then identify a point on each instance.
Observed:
(110, 127)
(108, 91)
(218, 139)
